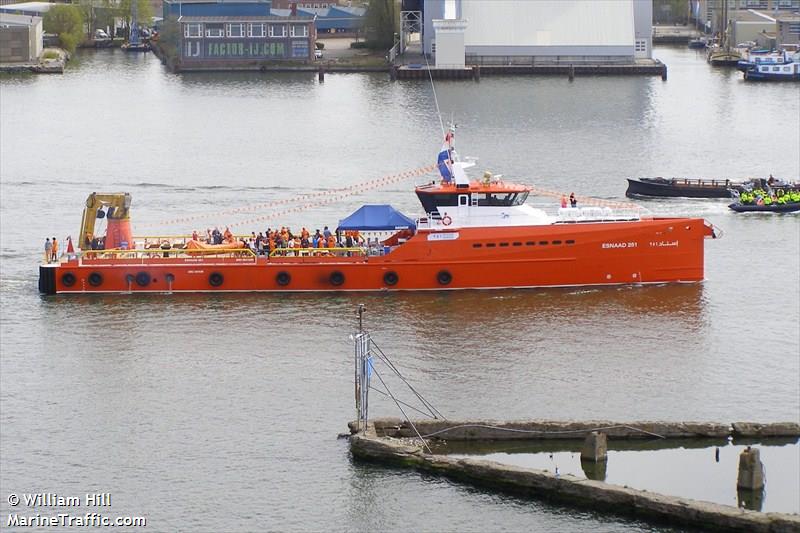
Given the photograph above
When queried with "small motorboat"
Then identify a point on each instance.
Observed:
(698, 43)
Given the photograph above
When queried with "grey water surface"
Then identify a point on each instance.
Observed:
(221, 412)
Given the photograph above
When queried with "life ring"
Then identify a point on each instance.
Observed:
(446, 220)
(336, 278)
(95, 279)
(391, 278)
(143, 279)
(215, 279)
(444, 277)
(68, 279)
(283, 278)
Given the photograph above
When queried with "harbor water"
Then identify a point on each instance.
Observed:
(221, 412)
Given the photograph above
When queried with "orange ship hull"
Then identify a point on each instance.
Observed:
(660, 250)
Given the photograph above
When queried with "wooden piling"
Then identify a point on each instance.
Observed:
(751, 470)
(595, 447)
(571, 72)
(321, 74)
(476, 72)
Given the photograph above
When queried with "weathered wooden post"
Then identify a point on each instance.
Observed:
(476, 72)
(751, 470)
(595, 447)
(321, 73)
(571, 72)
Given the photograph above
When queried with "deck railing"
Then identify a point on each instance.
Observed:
(181, 253)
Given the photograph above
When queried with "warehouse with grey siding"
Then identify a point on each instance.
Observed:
(570, 31)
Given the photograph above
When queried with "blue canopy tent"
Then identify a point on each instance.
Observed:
(376, 218)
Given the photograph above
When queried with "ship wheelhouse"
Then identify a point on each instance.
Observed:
(434, 197)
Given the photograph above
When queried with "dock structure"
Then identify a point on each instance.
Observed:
(421, 71)
(411, 443)
(396, 442)
(675, 34)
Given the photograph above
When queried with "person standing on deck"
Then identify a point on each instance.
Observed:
(48, 250)
(563, 201)
(573, 202)
(55, 250)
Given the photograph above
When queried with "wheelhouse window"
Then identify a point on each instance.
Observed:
(257, 30)
(236, 30)
(299, 30)
(193, 30)
(215, 30)
(500, 199)
(277, 30)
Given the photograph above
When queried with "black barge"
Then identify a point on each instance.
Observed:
(680, 188)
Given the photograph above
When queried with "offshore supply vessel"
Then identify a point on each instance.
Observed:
(475, 234)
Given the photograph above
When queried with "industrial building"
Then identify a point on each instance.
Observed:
(559, 31)
(707, 14)
(239, 34)
(335, 19)
(20, 38)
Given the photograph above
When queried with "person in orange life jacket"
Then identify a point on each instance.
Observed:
(55, 250)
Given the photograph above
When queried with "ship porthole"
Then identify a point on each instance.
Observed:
(336, 278)
(283, 278)
(95, 279)
(391, 278)
(215, 279)
(143, 279)
(444, 277)
(68, 279)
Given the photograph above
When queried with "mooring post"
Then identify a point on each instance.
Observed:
(751, 470)
(393, 73)
(664, 73)
(476, 72)
(595, 447)
(571, 72)
(321, 73)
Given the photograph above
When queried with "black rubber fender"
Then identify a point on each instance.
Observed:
(68, 279)
(283, 278)
(143, 279)
(391, 278)
(444, 277)
(336, 278)
(215, 279)
(95, 279)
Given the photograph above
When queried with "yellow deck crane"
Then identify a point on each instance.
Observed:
(115, 208)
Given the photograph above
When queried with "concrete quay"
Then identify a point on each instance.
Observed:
(420, 71)
(464, 430)
(674, 34)
(42, 66)
(394, 442)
